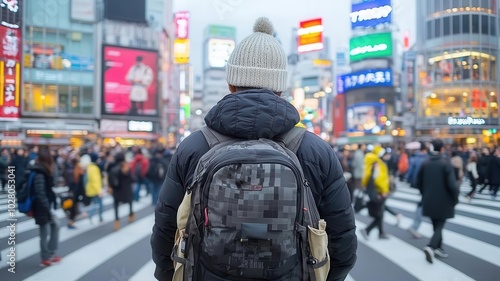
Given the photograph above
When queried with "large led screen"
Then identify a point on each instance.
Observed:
(366, 117)
(376, 45)
(371, 13)
(129, 81)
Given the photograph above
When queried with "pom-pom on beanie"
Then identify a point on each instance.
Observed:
(258, 61)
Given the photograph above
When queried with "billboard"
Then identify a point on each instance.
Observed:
(365, 78)
(219, 51)
(310, 35)
(366, 117)
(129, 81)
(10, 59)
(371, 13)
(376, 45)
(181, 21)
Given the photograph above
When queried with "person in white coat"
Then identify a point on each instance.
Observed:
(140, 76)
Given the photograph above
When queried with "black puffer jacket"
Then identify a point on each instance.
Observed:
(260, 114)
(45, 198)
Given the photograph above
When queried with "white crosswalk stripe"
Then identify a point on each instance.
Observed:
(96, 252)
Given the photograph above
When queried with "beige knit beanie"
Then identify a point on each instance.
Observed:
(258, 61)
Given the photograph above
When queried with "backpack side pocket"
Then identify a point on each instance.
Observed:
(318, 245)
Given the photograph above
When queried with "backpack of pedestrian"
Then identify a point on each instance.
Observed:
(234, 194)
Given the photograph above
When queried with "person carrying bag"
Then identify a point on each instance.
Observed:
(376, 183)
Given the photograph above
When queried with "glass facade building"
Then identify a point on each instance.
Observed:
(457, 89)
(58, 63)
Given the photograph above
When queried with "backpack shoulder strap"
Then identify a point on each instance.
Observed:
(292, 139)
(213, 137)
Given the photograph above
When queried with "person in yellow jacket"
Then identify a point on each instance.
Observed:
(93, 186)
(375, 167)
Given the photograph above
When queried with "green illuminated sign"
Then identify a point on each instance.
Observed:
(219, 31)
(376, 45)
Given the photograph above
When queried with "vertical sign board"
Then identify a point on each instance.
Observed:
(181, 41)
(10, 58)
(181, 21)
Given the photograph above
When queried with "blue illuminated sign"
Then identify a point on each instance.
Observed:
(365, 78)
(371, 13)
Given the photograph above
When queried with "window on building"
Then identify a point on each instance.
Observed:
(447, 4)
(62, 99)
(480, 102)
(475, 24)
(430, 7)
(429, 29)
(485, 4)
(446, 26)
(75, 99)
(466, 24)
(87, 100)
(493, 26)
(459, 65)
(456, 25)
(485, 25)
(437, 28)
(57, 49)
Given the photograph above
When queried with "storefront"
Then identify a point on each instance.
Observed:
(58, 132)
(129, 133)
(458, 97)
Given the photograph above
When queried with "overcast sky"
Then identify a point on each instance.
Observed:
(285, 14)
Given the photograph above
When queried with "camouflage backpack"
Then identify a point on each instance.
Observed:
(249, 214)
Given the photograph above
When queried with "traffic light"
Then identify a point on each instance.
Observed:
(492, 131)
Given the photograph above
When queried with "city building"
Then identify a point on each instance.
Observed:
(219, 43)
(129, 91)
(457, 71)
(370, 92)
(311, 76)
(59, 97)
(83, 70)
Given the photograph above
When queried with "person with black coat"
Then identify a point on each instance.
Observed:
(20, 163)
(45, 202)
(437, 183)
(494, 173)
(483, 168)
(254, 110)
(120, 180)
(158, 167)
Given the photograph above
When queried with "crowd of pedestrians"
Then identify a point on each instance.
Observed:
(437, 170)
(86, 174)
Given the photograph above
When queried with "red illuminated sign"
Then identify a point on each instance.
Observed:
(310, 35)
(10, 72)
(181, 21)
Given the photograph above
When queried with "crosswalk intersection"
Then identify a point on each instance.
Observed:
(94, 251)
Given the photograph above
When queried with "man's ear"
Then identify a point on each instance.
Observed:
(232, 88)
